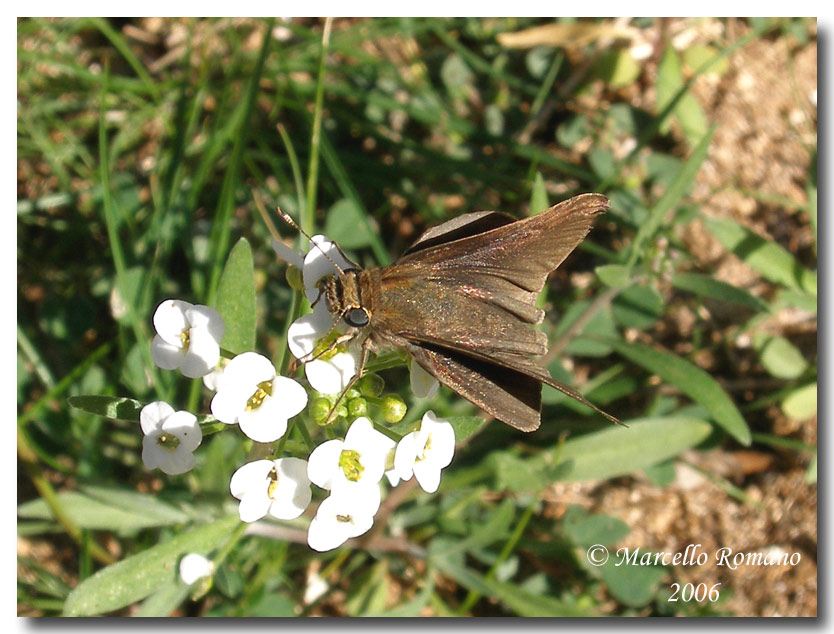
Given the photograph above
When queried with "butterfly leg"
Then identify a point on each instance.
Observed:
(363, 359)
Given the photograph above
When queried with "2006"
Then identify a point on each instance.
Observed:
(689, 591)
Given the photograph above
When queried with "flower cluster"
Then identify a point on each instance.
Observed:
(251, 394)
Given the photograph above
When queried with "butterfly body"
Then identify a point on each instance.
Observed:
(462, 303)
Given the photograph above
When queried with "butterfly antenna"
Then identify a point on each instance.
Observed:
(286, 218)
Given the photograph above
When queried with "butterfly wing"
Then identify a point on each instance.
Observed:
(467, 291)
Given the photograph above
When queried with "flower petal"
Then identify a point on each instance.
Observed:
(442, 443)
(169, 319)
(290, 394)
(261, 425)
(428, 475)
(289, 255)
(305, 332)
(423, 384)
(332, 375)
(249, 368)
(405, 455)
(324, 462)
(254, 505)
(206, 318)
(227, 404)
(250, 476)
(292, 495)
(175, 462)
(184, 425)
(153, 415)
(194, 567)
(202, 356)
(317, 266)
(167, 356)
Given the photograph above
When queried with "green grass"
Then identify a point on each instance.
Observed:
(137, 178)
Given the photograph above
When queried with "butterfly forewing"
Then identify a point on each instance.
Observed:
(462, 300)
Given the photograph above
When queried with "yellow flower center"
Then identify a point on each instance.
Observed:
(350, 465)
(324, 348)
(185, 337)
(257, 399)
(344, 519)
(167, 441)
(273, 483)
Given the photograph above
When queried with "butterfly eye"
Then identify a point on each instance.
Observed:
(357, 317)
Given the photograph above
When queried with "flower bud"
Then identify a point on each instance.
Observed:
(371, 385)
(294, 278)
(393, 408)
(357, 407)
(319, 409)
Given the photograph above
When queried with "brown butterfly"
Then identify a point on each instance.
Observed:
(462, 302)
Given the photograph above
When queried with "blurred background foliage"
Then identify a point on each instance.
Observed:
(690, 311)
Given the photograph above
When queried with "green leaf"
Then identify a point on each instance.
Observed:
(496, 528)
(115, 407)
(692, 381)
(598, 328)
(772, 261)
(465, 426)
(801, 404)
(538, 198)
(613, 275)
(140, 575)
(617, 451)
(509, 594)
(638, 307)
(412, 607)
(634, 586)
(683, 180)
(603, 163)
(164, 600)
(797, 299)
(116, 510)
(707, 286)
(236, 299)
(811, 471)
(617, 68)
(699, 54)
(128, 290)
(345, 225)
(688, 111)
(518, 474)
(662, 473)
(780, 357)
(587, 530)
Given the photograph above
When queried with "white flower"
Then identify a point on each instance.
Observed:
(424, 453)
(311, 334)
(211, 379)
(338, 519)
(170, 438)
(251, 394)
(315, 589)
(354, 466)
(278, 487)
(423, 384)
(317, 266)
(188, 337)
(194, 567)
(288, 254)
